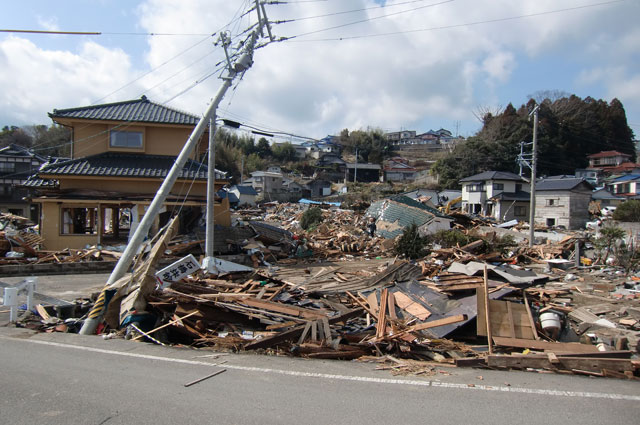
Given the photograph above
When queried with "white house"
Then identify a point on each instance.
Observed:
(498, 194)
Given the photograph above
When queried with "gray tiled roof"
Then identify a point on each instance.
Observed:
(398, 212)
(246, 190)
(138, 110)
(126, 165)
(36, 182)
(493, 175)
(562, 184)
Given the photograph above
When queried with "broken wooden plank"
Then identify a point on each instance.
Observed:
(295, 332)
(404, 302)
(382, 314)
(568, 363)
(438, 322)
(282, 308)
(544, 345)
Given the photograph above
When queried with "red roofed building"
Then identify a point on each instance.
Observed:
(606, 159)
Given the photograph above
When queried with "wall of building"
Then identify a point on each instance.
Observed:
(92, 139)
(51, 222)
(570, 209)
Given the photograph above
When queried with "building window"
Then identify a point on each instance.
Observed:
(551, 202)
(6, 190)
(520, 211)
(126, 139)
(551, 222)
(476, 187)
(498, 186)
(518, 187)
(79, 221)
(7, 167)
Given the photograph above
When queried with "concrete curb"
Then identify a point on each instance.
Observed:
(57, 268)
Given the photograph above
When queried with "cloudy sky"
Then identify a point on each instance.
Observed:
(394, 64)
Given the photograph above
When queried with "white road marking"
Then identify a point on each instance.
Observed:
(433, 384)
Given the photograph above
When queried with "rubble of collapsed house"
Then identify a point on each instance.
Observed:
(334, 292)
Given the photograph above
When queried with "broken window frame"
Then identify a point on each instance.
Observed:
(69, 223)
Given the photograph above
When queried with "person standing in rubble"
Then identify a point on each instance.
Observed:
(371, 227)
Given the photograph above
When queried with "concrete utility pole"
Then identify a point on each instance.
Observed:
(355, 168)
(208, 263)
(244, 62)
(532, 199)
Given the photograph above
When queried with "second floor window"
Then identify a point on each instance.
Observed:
(7, 167)
(126, 139)
(498, 186)
(476, 188)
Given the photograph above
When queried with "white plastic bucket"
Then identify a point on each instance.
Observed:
(550, 321)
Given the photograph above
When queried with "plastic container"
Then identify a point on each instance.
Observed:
(550, 322)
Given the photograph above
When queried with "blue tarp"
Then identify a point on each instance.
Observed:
(309, 201)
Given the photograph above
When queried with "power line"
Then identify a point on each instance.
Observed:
(146, 34)
(356, 10)
(488, 21)
(370, 19)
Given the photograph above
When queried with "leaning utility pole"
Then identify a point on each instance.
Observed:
(532, 199)
(244, 62)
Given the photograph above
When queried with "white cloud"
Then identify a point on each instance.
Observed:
(40, 80)
(48, 23)
(413, 79)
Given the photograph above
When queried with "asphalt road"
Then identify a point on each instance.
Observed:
(66, 378)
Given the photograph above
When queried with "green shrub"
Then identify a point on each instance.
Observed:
(628, 211)
(411, 244)
(450, 238)
(311, 217)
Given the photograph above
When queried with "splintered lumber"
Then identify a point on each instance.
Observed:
(438, 322)
(404, 302)
(568, 363)
(297, 331)
(173, 322)
(556, 347)
(382, 314)
(282, 308)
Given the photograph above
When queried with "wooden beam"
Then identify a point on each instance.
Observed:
(568, 363)
(382, 314)
(487, 310)
(571, 347)
(438, 322)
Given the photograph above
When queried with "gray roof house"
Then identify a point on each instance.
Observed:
(563, 201)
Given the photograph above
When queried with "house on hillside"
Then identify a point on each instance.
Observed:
(606, 159)
(398, 170)
(121, 154)
(498, 194)
(606, 198)
(319, 188)
(626, 186)
(563, 201)
(363, 172)
(17, 163)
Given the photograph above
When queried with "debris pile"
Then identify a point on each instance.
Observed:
(530, 308)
